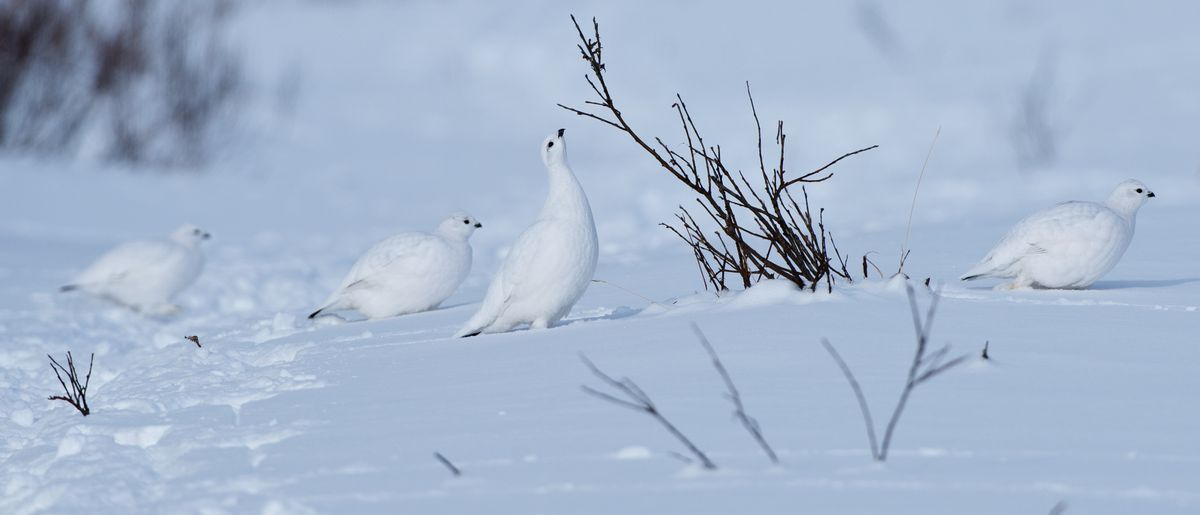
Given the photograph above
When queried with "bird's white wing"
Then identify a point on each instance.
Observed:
(414, 251)
(1051, 231)
(520, 264)
(116, 264)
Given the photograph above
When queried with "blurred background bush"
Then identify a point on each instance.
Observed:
(134, 81)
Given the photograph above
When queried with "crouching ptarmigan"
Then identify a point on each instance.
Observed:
(407, 273)
(146, 274)
(551, 264)
(1070, 245)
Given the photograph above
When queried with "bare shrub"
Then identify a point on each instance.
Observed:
(129, 80)
(75, 392)
(765, 232)
(923, 368)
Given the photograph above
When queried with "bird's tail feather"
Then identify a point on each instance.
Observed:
(335, 302)
(476, 325)
(332, 305)
(984, 268)
(491, 308)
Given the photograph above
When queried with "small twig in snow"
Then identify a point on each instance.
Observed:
(681, 457)
(193, 339)
(739, 410)
(626, 290)
(444, 461)
(904, 250)
(923, 368)
(76, 394)
(639, 401)
(858, 394)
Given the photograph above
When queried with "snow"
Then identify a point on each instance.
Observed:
(406, 110)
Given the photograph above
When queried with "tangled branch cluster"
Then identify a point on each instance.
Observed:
(75, 392)
(766, 230)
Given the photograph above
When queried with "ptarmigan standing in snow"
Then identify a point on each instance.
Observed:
(407, 273)
(1070, 245)
(551, 263)
(146, 274)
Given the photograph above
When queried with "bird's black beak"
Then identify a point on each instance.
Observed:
(560, 132)
(1150, 194)
(478, 225)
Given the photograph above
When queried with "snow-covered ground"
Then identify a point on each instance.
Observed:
(404, 112)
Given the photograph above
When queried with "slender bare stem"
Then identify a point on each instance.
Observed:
(858, 395)
(924, 366)
(447, 463)
(640, 401)
(739, 409)
(904, 250)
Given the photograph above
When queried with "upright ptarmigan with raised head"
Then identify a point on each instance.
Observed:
(1070, 245)
(407, 273)
(146, 275)
(551, 264)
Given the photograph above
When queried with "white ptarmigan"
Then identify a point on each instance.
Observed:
(407, 273)
(1070, 245)
(146, 274)
(551, 264)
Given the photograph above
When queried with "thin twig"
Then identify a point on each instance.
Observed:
(639, 401)
(915, 374)
(804, 178)
(858, 395)
(626, 290)
(735, 397)
(681, 457)
(923, 368)
(449, 465)
(904, 250)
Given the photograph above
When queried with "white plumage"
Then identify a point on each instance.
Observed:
(407, 273)
(551, 264)
(1070, 245)
(146, 274)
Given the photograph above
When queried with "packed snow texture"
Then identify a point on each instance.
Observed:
(377, 117)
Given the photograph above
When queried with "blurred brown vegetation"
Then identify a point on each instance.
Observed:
(137, 81)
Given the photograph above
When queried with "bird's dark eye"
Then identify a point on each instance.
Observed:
(551, 144)
(468, 222)
(1139, 190)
